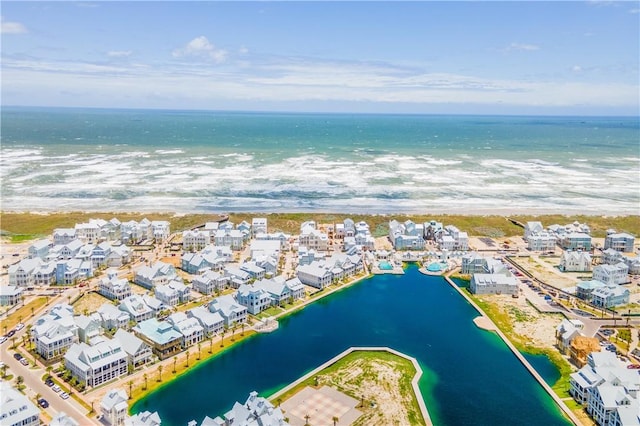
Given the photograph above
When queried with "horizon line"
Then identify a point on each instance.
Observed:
(319, 112)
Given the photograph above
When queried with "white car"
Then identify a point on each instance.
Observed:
(19, 327)
(3, 339)
(56, 388)
(64, 395)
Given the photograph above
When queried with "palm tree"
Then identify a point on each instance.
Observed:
(187, 352)
(130, 383)
(4, 370)
(175, 359)
(243, 326)
(32, 310)
(211, 345)
(224, 331)
(335, 420)
(199, 349)
(306, 418)
(160, 372)
(144, 376)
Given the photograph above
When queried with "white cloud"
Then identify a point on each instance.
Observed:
(119, 53)
(200, 47)
(576, 68)
(634, 11)
(522, 46)
(243, 50)
(12, 27)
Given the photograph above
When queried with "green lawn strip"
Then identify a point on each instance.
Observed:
(22, 313)
(344, 364)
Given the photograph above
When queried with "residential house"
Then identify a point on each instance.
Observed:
(622, 242)
(164, 340)
(114, 407)
(137, 309)
(138, 352)
(575, 241)
(118, 256)
(255, 411)
(281, 291)
(258, 226)
(144, 418)
(173, 293)
(566, 331)
(10, 295)
(151, 276)
(460, 239)
(88, 327)
(256, 272)
(255, 299)
(63, 419)
(15, 408)
(160, 230)
(265, 248)
(542, 241)
(281, 237)
(584, 289)
(608, 297)
(233, 238)
(39, 249)
(114, 288)
(210, 282)
(230, 310)
(315, 275)
(475, 263)
(532, 228)
(63, 235)
(211, 322)
(237, 276)
(611, 256)
(195, 240)
(21, 274)
(313, 239)
(493, 284)
(611, 274)
(99, 363)
(599, 364)
(190, 328)
(407, 235)
(432, 230)
(55, 331)
(111, 317)
(575, 261)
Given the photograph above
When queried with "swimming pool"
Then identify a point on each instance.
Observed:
(436, 267)
(385, 266)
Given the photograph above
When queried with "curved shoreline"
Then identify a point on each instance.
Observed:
(484, 321)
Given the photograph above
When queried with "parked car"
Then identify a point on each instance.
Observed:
(19, 327)
(11, 333)
(17, 356)
(3, 339)
(24, 361)
(43, 403)
(56, 388)
(48, 382)
(64, 395)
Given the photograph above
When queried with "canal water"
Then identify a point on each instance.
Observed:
(470, 376)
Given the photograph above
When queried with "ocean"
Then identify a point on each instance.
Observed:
(63, 159)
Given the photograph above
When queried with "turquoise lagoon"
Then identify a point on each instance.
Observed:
(471, 377)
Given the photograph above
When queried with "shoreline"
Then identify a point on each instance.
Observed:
(484, 322)
(292, 310)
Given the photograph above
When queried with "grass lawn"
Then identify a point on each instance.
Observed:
(27, 225)
(357, 375)
(24, 312)
(89, 302)
(272, 311)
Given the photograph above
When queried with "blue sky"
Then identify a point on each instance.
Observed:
(404, 57)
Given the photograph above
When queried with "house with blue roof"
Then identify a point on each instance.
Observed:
(164, 340)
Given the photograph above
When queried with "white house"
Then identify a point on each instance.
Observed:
(566, 331)
(315, 275)
(114, 288)
(151, 276)
(190, 328)
(211, 322)
(622, 242)
(137, 309)
(493, 284)
(608, 297)
(111, 317)
(542, 241)
(195, 240)
(407, 235)
(16, 408)
(611, 274)
(230, 310)
(10, 295)
(138, 352)
(258, 226)
(575, 261)
(210, 282)
(55, 331)
(532, 228)
(99, 363)
(114, 407)
(255, 299)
